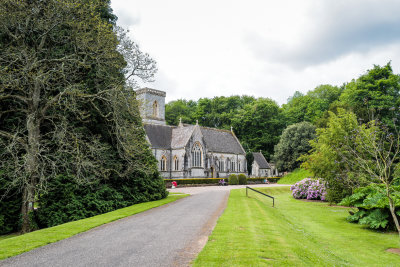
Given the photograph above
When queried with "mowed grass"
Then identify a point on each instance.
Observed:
(295, 176)
(294, 233)
(11, 246)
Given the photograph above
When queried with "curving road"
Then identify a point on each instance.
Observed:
(170, 235)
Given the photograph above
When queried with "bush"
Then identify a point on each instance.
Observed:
(233, 179)
(309, 189)
(242, 179)
(373, 206)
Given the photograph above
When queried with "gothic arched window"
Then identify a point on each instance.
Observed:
(163, 163)
(155, 109)
(197, 160)
(176, 163)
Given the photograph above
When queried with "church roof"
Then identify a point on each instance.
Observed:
(166, 137)
(261, 161)
(221, 141)
(181, 135)
(159, 135)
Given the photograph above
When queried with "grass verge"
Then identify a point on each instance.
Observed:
(295, 176)
(19, 244)
(294, 233)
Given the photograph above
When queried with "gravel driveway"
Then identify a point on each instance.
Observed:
(170, 235)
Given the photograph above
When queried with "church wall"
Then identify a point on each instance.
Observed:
(223, 173)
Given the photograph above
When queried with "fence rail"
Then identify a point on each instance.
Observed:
(273, 199)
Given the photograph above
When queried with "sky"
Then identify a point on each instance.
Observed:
(261, 48)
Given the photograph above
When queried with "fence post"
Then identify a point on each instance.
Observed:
(246, 192)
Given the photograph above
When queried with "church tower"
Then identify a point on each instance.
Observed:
(152, 105)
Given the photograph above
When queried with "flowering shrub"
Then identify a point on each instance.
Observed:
(309, 188)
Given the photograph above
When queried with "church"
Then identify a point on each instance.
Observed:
(188, 151)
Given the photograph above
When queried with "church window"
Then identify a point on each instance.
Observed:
(197, 160)
(163, 163)
(155, 109)
(176, 163)
(222, 167)
(239, 167)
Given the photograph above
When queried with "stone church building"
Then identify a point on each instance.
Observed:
(188, 151)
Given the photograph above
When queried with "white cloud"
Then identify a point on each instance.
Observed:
(261, 48)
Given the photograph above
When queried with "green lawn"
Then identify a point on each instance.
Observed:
(11, 246)
(294, 233)
(295, 176)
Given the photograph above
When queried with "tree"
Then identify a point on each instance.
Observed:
(373, 94)
(293, 143)
(180, 109)
(64, 104)
(326, 161)
(311, 107)
(372, 151)
(258, 125)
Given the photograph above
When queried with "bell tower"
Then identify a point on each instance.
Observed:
(152, 105)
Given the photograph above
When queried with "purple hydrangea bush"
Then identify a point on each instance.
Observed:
(309, 188)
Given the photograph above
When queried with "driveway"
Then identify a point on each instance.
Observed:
(170, 235)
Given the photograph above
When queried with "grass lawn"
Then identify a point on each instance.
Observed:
(16, 245)
(294, 233)
(295, 176)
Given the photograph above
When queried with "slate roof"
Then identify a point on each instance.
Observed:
(166, 137)
(159, 135)
(261, 161)
(221, 141)
(181, 135)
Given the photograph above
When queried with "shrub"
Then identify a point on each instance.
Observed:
(242, 179)
(309, 189)
(373, 206)
(233, 179)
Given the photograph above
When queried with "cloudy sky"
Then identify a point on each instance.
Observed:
(262, 48)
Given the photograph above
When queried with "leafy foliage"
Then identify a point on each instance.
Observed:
(373, 206)
(293, 143)
(233, 179)
(242, 179)
(10, 207)
(68, 200)
(373, 94)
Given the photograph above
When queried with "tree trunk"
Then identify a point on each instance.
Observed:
(32, 170)
(392, 210)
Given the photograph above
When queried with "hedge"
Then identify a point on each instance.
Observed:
(261, 180)
(189, 181)
(185, 181)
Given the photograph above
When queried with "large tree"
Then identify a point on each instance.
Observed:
(64, 103)
(373, 94)
(258, 125)
(293, 143)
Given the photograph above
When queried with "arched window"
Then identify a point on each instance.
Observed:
(155, 109)
(176, 163)
(197, 159)
(239, 166)
(163, 163)
(233, 166)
